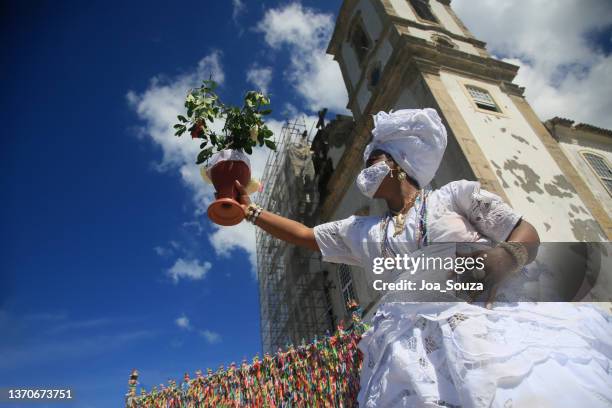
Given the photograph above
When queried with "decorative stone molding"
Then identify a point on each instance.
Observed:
(401, 21)
(443, 41)
(512, 89)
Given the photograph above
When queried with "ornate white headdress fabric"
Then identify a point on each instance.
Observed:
(415, 138)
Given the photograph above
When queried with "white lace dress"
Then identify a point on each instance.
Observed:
(454, 354)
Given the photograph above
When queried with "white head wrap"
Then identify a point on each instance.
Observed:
(415, 138)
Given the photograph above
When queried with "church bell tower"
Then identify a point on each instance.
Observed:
(398, 54)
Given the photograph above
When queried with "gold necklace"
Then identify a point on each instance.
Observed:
(399, 218)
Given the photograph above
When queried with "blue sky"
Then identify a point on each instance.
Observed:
(108, 260)
(94, 217)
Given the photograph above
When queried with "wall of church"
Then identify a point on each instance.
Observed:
(382, 52)
(381, 55)
(454, 166)
(404, 10)
(351, 64)
(600, 145)
(371, 19)
(530, 177)
(363, 97)
(445, 18)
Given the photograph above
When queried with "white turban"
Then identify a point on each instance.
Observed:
(415, 139)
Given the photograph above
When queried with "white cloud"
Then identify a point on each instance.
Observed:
(161, 251)
(238, 8)
(564, 74)
(260, 77)
(210, 336)
(158, 107)
(78, 325)
(312, 73)
(183, 322)
(191, 269)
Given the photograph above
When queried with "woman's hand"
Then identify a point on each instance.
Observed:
(280, 227)
(497, 264)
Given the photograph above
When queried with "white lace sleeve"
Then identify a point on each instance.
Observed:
(333, 238)
(487, 212)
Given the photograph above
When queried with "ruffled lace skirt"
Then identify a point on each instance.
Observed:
(463, 355)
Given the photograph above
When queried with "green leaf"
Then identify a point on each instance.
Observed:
(266, 111)
(271, 144)
(204, 155)
(182, 118)
(178, 126)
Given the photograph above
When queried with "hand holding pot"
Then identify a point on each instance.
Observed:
(243, 197)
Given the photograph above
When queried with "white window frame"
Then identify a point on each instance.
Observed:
(485, 98)
(603, 178)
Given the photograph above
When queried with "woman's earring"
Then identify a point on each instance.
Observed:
(401, 176)
(391, 173)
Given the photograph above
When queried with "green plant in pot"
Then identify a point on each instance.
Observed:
(224, 154)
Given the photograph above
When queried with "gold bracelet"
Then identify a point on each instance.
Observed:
(518, 251)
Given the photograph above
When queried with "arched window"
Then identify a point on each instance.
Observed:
(359, 40)
(346, 284)
(423, 10)
(600, 167)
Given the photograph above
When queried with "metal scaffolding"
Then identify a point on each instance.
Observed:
(293, 302)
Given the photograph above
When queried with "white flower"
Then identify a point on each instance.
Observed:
(205, 175)
(254, 133)
(252, 186)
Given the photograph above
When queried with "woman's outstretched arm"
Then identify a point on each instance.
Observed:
(278, 226)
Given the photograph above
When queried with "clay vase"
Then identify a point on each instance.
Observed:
(225, 210)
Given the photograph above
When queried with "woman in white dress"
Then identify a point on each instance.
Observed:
(454, 354)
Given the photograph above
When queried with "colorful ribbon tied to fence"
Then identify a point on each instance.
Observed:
(322, 373)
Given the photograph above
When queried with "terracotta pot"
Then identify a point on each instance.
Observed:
(225, 210)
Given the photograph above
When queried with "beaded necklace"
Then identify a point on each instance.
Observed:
(421, 233)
